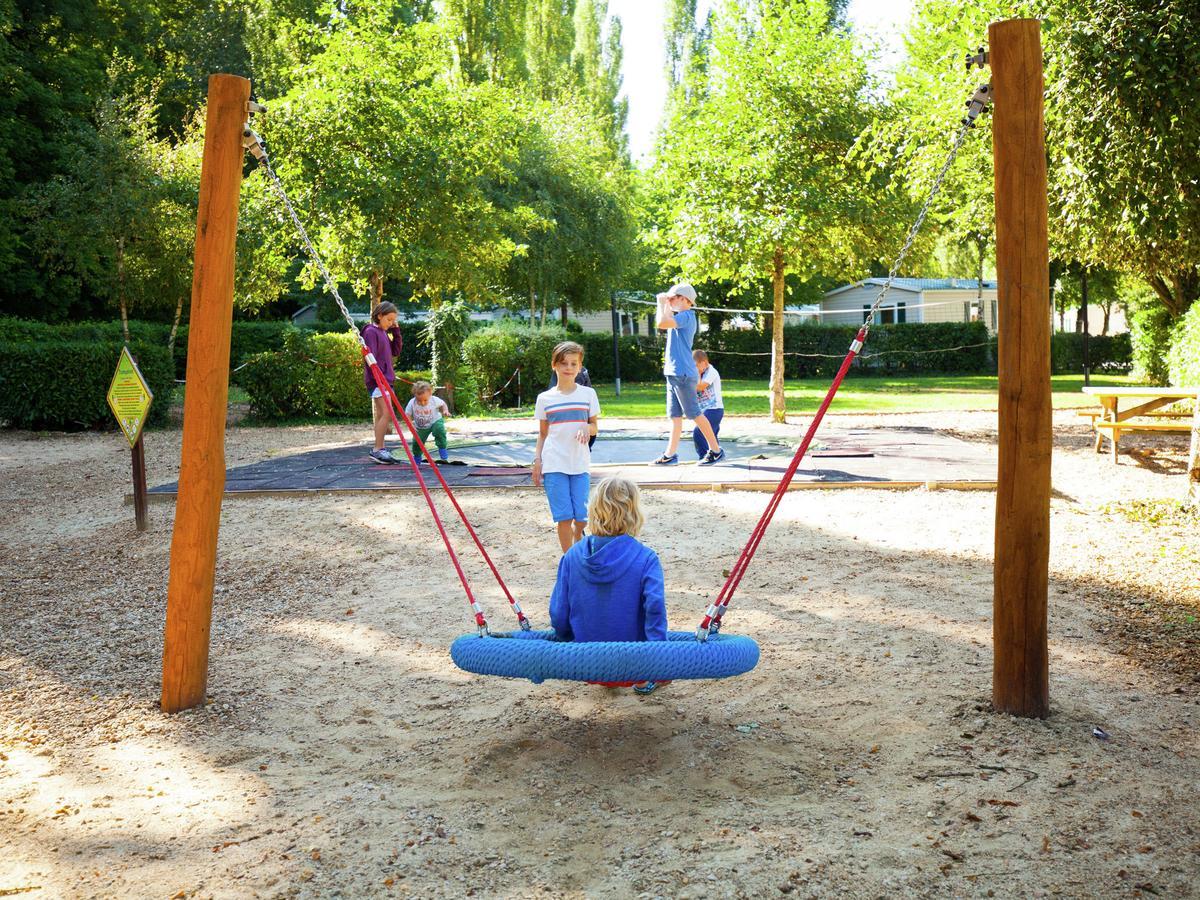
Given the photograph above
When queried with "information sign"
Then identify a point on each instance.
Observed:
(129, 397)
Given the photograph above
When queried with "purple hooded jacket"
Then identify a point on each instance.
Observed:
(383, 350)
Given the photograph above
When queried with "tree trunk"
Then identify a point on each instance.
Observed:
(778, 404)
(121, 289)
(376, 282)
(1107, 312)
(562, 310)
(542, 320)
(532, 305)
(175, 324)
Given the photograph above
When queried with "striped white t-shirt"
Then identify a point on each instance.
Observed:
(566, 413)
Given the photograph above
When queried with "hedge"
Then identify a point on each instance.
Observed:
(1106, 353)
(63, 384)
(493, 355)
(1183, 359)
(246, 338)
(314, 376)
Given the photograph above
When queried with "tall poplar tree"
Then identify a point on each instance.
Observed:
(758, 175)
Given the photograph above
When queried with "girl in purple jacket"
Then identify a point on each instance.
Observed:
(610, 585)
(383, 339)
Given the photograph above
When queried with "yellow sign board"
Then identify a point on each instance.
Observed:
(129, 397)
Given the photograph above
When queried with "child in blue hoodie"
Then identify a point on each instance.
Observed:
(610, 585)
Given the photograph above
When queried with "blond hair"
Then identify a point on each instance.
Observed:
(698, 355)
(615, 509)
(563, 349)
(421, 387)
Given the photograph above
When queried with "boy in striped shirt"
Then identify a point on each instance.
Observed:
(566, 415)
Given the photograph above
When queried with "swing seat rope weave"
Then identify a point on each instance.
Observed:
(536, 656)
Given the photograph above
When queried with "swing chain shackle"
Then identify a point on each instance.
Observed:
(980, 100)
(978, 59)
(252, 142)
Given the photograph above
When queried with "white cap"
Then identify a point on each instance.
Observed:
(683, 289)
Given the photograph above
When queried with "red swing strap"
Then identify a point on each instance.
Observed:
(395, 406)
(712, 616)
(386, 390)
(254, 144)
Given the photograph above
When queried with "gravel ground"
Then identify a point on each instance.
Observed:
(342, 754)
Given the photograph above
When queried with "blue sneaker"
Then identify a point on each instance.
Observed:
(712, 457)
(382, 457)
(443, 454)
(648, 687)
(664, 460)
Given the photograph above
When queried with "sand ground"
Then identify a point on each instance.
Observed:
(342, 754)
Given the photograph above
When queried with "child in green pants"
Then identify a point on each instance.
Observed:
(427, 413)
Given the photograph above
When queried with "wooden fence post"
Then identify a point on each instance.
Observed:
(202, 462)
(1020, 672)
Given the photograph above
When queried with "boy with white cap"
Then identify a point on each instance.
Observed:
(676, 317)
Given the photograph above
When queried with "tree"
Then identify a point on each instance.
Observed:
(389, 158)
(489, 38)
(597, 66)
(112, 220)
(122, 218)
(549, 40)
(570, 211)
(758, 167)
(1124, 133)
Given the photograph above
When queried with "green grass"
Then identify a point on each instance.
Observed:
(924, 393)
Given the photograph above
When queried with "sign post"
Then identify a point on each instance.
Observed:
(129, 397)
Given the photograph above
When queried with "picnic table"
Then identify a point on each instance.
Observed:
(1145, 416)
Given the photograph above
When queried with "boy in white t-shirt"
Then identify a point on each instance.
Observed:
(708, 394)
(428, 414)
(566, 415)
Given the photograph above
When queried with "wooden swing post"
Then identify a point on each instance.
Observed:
(202, 460)
(1020, 672)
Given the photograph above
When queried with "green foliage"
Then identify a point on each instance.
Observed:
(1106, 353)
(62, 384)
(1183, 359)
(758, 163)
(1123, 128)
(1121, 133)
(493, 354)
(388, 160)
(314, 376)
(445, 331)
(1150, 331)
(570, 211)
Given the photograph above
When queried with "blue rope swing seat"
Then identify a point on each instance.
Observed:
(534, 655)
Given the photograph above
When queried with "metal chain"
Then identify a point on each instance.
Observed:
(254, 144)
(975, 106)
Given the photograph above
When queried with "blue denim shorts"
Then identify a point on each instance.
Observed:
(682, 399)
(568, 495)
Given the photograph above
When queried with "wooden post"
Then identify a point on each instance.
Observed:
(202, 463)
(139, 483)
(1020, 672)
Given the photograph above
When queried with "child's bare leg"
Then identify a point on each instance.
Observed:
(566, 536)
(381, 421)
(579, 526)
(676, 431)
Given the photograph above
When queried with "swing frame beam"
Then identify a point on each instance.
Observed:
(1020, 669)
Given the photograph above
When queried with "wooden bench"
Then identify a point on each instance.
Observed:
(1114, 430)
(1157, 414)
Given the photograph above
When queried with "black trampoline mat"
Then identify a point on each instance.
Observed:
(877, 455)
